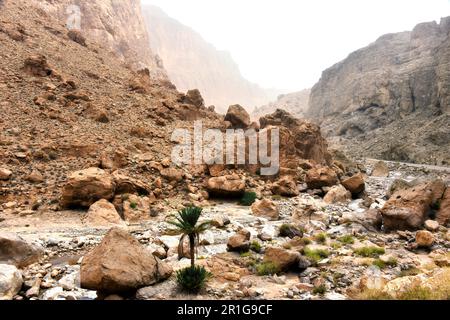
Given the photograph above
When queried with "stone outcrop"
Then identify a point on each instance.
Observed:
(85, 187)
(319, 177)
(409, 208)
(121, 264)
(286, 187)
(118, 26)
(299, 139)
(15, 250)
(238, 117)
(400, 81)
(231, 185)
(283, 259)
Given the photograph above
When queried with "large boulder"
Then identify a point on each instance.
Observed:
(103, 213)
(443, 214)
(230, 185)
(239, 242)
(10, 281)
(85, 187)
(299, 139)
(282, 258)
(266, 209)
(409, 208)
(354, 184)
(121, 264)
(16, 251)
(337, 194)
(319, 177)
(238, 117)
(286, 187)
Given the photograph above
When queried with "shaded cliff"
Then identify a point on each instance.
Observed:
(391, 99)
(191, 63)
(116, 24)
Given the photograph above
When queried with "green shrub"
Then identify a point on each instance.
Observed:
(193, 279)
(267, 268)
(245, 254)
(347, 239)
(336, 245)
(320, 289)
(133, 205)
(369, 252)
(248, 198)
(321, 237)
(392, 262)
(305, 241)
(255, 246)
(316, 255)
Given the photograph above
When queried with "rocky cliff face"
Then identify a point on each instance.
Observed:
(117, 25)
(295, 103)
(391, 99)
(191, 63)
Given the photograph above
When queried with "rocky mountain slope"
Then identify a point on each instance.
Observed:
(296, 103)
(391, 99)
(191, 62)
(67, 106)
(116, 25)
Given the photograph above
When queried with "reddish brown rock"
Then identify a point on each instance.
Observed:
(238, 117)
(85, 187)
(5, 174)
(282, 258)
(230, 185)
(37, 66)
(424, 239)
(299, 139)
(286, 187)
(121, 264)
(354, 184)
(409, 208)
(319, 177)
(172, 174)
(240, 241)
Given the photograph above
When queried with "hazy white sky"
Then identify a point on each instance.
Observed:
(286, 44)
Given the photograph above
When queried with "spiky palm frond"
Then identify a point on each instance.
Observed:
(187, 224)
(187, 219)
